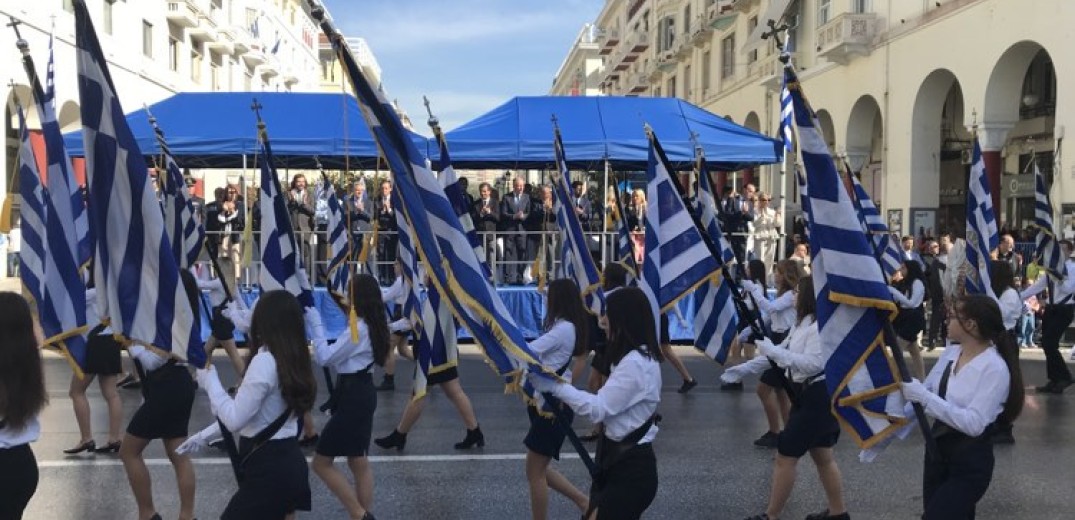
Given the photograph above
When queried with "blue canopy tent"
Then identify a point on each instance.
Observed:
(219, 129)
(518, 134)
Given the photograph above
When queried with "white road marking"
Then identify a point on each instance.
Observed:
(216, 461)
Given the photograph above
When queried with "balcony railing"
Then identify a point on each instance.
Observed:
(183, 13)
(846, 36)
(769, 70)
(638, 83)
(609, 39)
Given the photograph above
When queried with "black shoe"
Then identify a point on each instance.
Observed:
(824, 515)
(1049, 388)
(767, 440)
(368, 516)
(1004, 436)
(311, 440)
(156, 516)
(1061, 385)
(762, 516)
(393, 440)
(126, 380)
(133, 384)
(388, 385)
(687, 385)
(731, 387)
(89, 446)
(112, 447)
(474, 438)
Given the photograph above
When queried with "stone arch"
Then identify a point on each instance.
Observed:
(752, 121)
(828, 129)
(1004, 90)
(70, 116)
(938, 140)
(865, 142)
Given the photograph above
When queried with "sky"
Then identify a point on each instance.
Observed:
(467, 56)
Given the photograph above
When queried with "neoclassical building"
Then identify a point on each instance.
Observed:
(900, 86)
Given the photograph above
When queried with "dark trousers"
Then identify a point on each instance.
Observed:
(18, 480)
(1054, 322)
(957, 477)
(516, 247)
(739, 247)
(938, 314)
(386, 257)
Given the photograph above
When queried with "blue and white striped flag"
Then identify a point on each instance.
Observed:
(138, 284)
(982, 235)
(1047, 250)
(715, 318)
(182, 228)
(576, 259)
(454, 191)
(340, 248)
(625, 247)
(786, 112)
(853, 301)
(677, 259)
(281, 258)
(32, 215)
(456, 272)
(885, 245)
(804, 200)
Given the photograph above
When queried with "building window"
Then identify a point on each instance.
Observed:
(670, 87)
(687, 22)
(107, 4)
(824, 11)
(861, 6)
(173, 54)
(196, 66)
(147, 39)
(666, 33)
(727, 57)
(214, 75)
(752, 24)
(656, 91)
(707, 71)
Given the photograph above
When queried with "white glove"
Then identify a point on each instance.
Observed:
(542, 383)
(203, 375)
(136, 350)
(238, 315)
(400, 325)
(773, 352)
(916, 392)
(732, 374)
(200, 440)
(315, 328)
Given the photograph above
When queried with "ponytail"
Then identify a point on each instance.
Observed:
(1009, 351)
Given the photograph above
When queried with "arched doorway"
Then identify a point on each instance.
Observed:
(865, 144)
(940, 152)
(1018, 123)
(828, 130)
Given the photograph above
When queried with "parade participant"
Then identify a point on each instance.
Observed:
(613, 278)
(168, 392)
(666, 350)
(22, 397)
(354, 399)
(934, 274)
(565, 337)
(278, 388)
(1059, 310)
(972, 385)
(908, 289)
(1011, 310)
(781, 315)
(397, 294)
(626, 482)
(103, 362)
(811, 427)
(755, 276)
(222, 330)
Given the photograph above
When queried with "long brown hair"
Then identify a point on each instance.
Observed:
(565, 303)
(369, 306)
(985, 312)
(791, 272)
(628, 326)
(806, 300)
(22, 382)
(278, 324)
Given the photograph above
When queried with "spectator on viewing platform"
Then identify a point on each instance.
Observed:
(766, 230)
(583, 206)
(514, 211)
(232, 221)
(735, 215)
(486, 215)
(388, 239)
(358, 208)
(544, 236)
(300, 207)
(636, 222)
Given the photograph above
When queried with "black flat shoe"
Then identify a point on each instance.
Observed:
(824, 515)
(1049, 388)
(112, 447)
(474, 438)
(767, 440)
(687, 386)
(89, 446)
(388, 385)
(395, 440)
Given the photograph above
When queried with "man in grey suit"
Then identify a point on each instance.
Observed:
(300, 206)
(514, 212)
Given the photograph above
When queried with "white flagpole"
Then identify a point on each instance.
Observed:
(602, 232)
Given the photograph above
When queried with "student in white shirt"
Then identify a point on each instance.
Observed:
(908, 289)
(168, 396)
(279, 387)
(811, 427)
(1003, 292)
(103, 363)
(1058, 314)
(22, 397)
(566, 329)
(222, 330)
(347, 433)
(397, 294)
(627, 480)
(613, 278)
(972, 386)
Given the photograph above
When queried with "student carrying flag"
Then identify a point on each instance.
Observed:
(715, 318)
(183, 230)
(982, 236)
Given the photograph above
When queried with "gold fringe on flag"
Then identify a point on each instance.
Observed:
(5, 213)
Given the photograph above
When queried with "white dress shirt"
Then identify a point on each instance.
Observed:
(10, 437)
(395, 293)
(1064, 290)
(257, 403)
(345, 356)
(216, 290)
(976, 390)
(625, 402)
(918, 294)
(781, 310)
(806, 356)
(554, 348)
(1011, 307)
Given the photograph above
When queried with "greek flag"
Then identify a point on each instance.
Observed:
(281, 258)
(853, 302)
(1048, 251)
(576, 259)
(625, 247)
(450, 181)
(786, 112)
(715, 317)
(138, 285)
(982, 236)
(885, 245)
(32, 216)
(61, 180)
(456, 272)
(804, 199)
(339, 244)
(678, 260)
(184, 231)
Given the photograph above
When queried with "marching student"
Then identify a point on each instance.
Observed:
(627, 479)
(666, 350)
(781, 316)
(811, 427)
(103, 362)
(908, 289)
(1059, 311)
(565, 334)
(755, 277)
(1006, 295)
(613, 278)
(972, 386)
(278, 388)
(354, 399)
(397, 294)
(168, 396)
(222, 329)
(22, 397)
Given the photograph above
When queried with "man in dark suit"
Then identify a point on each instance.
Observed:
(583, 206)
(212, 223)
(486, 215)
(938, 264)
(514, 212)
(734, 218)
(388, 240)
(358, 209)
(300, 208)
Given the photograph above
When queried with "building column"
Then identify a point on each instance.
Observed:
(992, 137)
